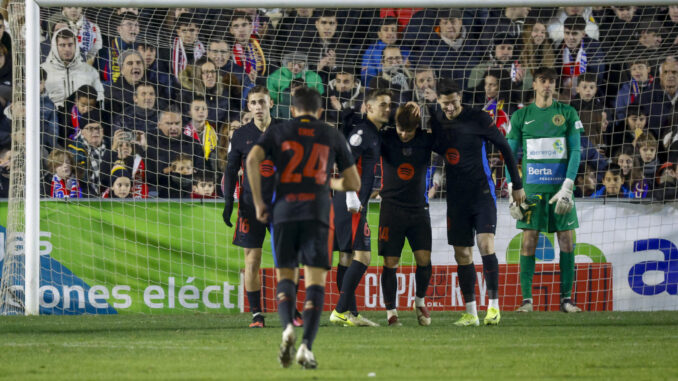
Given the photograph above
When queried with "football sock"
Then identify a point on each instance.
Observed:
(566, 274)
(471, 308)
(341, 272)
(493, 303)
(353, 276)
(422, 277)
(390, 313)
(419, 302)
(527, 264)
(313, 308)
(254, 298)
(467, 282)
(491, 272)
(389, 284)
(286, 301)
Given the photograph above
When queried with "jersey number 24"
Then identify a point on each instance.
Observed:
(316, 165)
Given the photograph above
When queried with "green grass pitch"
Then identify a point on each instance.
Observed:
(540, 345)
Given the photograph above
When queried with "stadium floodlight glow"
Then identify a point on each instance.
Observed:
(343, 4)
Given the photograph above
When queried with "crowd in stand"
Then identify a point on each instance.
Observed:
(141, 103)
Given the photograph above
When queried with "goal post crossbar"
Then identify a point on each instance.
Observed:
(343, 4)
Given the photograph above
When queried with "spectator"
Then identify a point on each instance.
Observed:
(424, 92)
(247, 52)
(387, 36)
(49, 117)
(586, 183)
(511, 23)
(666, 188)
(142, 115)
(493, 96)
(222, 92)
(89, 33)
(661, 100)
(537, 51)
(89, 149)
(109, 62)
(557, 27)
(165, 146)
(579, 54)
(5, 165)
(5, 76)
(5, 38)
(154, 75)
(394, 75)
(279, 82)
(447, 51)
(66, 71)
(203, 186)
(631, 171)
(669, 28)
(502, 56)
(646, 147)
(326, 51)
(132, 72)
(121, 184)
(180, 175)
(615, 34)
(613, 186)
(632, 91)
(594, 119)
(85, 101)
(630, 128)
(200, 129)
(185, 49)
(127, 151)
(291, 29)
(54, 22)
(344, 94)
(62, 179)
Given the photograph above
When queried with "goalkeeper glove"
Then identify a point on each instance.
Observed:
(228, 209)
(515, 210)
(352, 202)
(563, 198)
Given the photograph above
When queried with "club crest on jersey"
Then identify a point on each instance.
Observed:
(407, 151)
(558, 120)
(355, 139)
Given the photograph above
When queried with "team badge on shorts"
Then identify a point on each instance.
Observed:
(558, 120)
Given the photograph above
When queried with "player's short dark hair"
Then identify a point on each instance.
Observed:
(588, 77)
(635, 109)
(376, 93)
(406, 117)
(143, 84)
(65, 34)
(241, 15)
(258, 89)
(614, 169)
(344, 70)
(448, 86)
(86, 91)
(185, 19)
(306, 99)
(546, 72)
(576, 23)
(203, 176)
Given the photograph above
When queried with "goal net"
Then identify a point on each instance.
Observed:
(138, 106)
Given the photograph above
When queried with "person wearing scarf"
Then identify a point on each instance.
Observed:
(247, 52)
(89, 149)
(630, 93)
(186, 48)
(89, 33)
(579, 55)
(202, 131)
(63, 183)
(109, 61)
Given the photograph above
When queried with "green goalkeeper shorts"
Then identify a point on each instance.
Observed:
(541, 215)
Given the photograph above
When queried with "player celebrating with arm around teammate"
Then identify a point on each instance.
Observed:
(304, 150)
(461, 134)
(548, 133)
(406, 153)
(353, 233)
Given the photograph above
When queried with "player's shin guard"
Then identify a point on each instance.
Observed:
(313, 308)
(254, 298)
(491, 272)
(286, 301)
(566, 274)
(353, 276)
(422, 278)
(527, 264)
(467, 282)
(389, 285)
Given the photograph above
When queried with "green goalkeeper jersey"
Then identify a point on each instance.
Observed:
(543, 134)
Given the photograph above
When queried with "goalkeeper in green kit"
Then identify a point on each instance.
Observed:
(548, 133)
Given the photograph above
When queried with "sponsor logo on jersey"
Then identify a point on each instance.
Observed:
(267, 168)
(546, 148)
(452, 156)
(545, 173)
(558, 120)
(405, 171)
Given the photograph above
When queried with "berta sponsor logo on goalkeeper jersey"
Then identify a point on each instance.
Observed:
(545, 173)
(546, 148)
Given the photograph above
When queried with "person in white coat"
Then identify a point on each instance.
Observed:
(66, 69)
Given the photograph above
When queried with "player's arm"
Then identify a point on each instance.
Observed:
(230, 179)
(254, 159)
(563, 198)
(348, 182)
